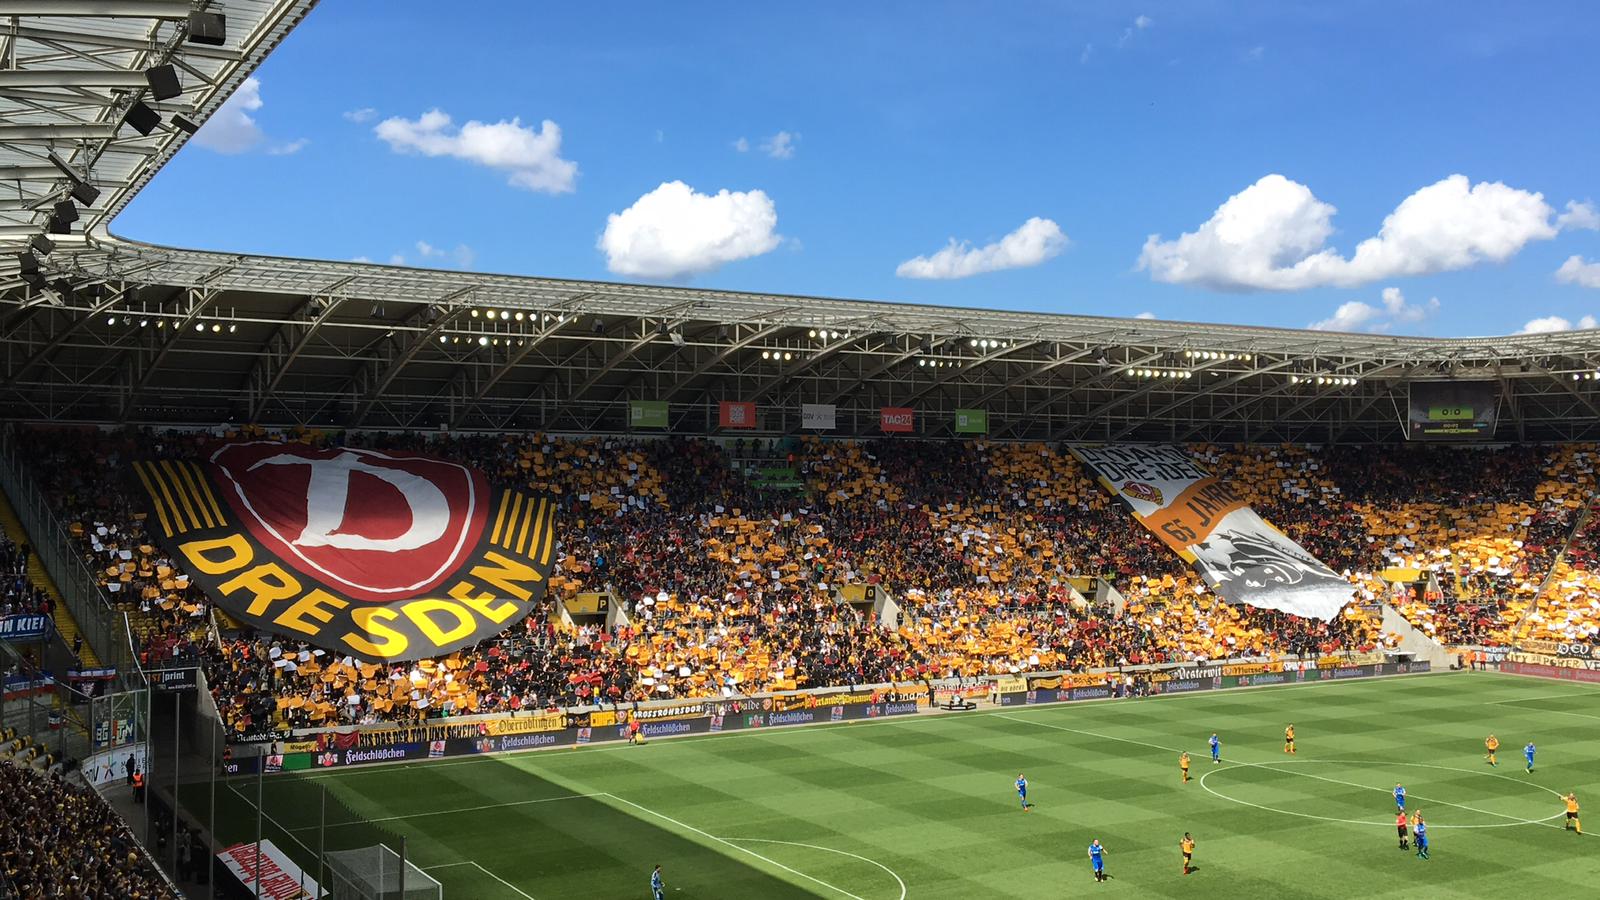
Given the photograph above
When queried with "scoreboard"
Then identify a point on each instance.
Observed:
(1452, 410)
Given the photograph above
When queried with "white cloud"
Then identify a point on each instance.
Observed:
(1031, 244)
(231, 129)
(1556, 323)
(741, 145)
(364, 114)
(532, 157)
(1392, 310)
(1577, 271)
(360, 259)
(1579, 215)
(462, 255)
(1145, 315)
(1348, 317)
(780, 145)
(1273, 236)
(1254, 54)
(397, 260)
(1086, 55)
(675, 231)
(1139, 24)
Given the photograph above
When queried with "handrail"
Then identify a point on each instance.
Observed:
(1519, 630)
(103, 625)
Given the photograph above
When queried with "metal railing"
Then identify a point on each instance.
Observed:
(102, 624)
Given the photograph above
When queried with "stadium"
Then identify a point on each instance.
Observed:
(339, 579)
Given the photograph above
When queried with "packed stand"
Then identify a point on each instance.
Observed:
(62, 841)
(1458, 540)
(1569, 609)
(994, 554)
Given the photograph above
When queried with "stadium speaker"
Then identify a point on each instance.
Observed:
(28, 262)
(208, 28)
(65, 212)
(58, 225)
(163, 82)
(85, 193)
(41, 245)
(143, 119)
(35, 280)
(184, 124)
(598, 326)
(927, 345)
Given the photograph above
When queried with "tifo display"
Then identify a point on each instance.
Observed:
(992, 557)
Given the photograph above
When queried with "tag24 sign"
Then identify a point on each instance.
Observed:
(383, 556)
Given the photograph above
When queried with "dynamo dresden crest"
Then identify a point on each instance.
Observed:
(383, 556)
(1140, 490)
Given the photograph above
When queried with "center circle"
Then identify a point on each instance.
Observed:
(1510, 821)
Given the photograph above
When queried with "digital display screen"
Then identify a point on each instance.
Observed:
(1452, 410)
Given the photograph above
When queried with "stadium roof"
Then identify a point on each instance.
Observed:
(70, 71)
(128, 332)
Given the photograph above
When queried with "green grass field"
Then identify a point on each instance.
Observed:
(925, 807)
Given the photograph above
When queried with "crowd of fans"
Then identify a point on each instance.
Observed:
(1001, 558)
(62, 841)
(18, 594)
(1569, 610)
(1458, 540)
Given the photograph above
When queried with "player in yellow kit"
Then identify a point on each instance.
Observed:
(1288, 739)
(1492, 744)
(1572, 813)
(1187, 846)
(1183, 763)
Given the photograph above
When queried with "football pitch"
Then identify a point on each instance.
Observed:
(925, 807)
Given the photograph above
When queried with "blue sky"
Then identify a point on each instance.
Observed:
(838, 148)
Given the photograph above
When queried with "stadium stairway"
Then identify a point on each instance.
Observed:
(1413, 641)
(1520, 630)
(66, 625)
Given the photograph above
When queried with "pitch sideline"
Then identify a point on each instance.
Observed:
(829, 727)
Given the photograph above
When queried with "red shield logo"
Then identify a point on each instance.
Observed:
(378, 526)
(1139, 490)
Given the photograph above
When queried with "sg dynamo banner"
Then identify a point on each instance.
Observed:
(382, 556)
(1203, 520)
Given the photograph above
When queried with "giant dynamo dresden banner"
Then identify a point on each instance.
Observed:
(382, 556)
(1243, 558)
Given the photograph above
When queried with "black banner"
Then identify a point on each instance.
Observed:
(386, 557)
(174, 680)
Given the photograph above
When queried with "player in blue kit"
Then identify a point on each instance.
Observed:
(1419, 833)
(1022, 791)
(1528, 752)
(1400, 797)
(1216, 748)
(658, 887)
(1097, 858)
